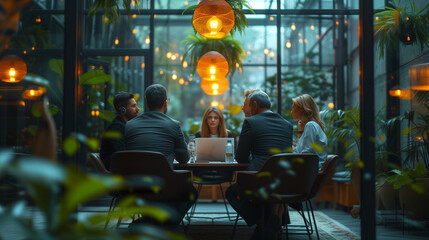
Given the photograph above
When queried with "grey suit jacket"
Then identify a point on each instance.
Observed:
(261, 133)
(155, 131)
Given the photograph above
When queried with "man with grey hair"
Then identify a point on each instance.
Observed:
(246, 107)
(261, 132)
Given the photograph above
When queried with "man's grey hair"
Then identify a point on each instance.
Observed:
(247, 92)
(261, 98)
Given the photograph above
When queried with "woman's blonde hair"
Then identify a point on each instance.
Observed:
(309, 108)
(221, 129)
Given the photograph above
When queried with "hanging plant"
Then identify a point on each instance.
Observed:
(406, 24)
(240, 18)
(197, 46)
(111, 9)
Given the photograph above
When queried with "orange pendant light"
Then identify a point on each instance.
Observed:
(215, 87)
(33, 93)
(419, 77)
(12, 69)
(213, 19)
(212, 65)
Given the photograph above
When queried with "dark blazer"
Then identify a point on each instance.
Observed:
(259, 134)
(155, 131)
(112, 145)
(198, 134)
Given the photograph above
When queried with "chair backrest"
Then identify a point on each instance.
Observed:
(177, 186)
(326, 173)
(284, 174)
(95, 161)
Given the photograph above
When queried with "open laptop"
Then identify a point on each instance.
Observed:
(211, 149)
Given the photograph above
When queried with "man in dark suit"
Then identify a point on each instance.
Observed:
(127, 109)
(262, 132)
(155, 131)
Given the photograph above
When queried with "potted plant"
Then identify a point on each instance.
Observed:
(413, 186)
(407, 24)
(111, 9)
(196, 46)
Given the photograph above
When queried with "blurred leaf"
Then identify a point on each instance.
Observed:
(71, 145)
(57, 66)
(110, 100)
(17, 209)
(234, 109)
(275, 150)
(194, 128)
(33, 129)
(93, 143)
(107, 115)
(298, 160)
(36, 109)
(317, 147)
(360, 164)
(284, 164)
(94, 77)
(190, 121)
(406, 131)
(53, 109)
(112, 135)
(136, 96)
(418, 187)
(263, 174)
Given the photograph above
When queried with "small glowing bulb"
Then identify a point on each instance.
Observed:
(215, 86)
(38, 19)
(143, 65)
(214, 25)
(212, 77)
(271, 18)
(169, 54)
(221, 107)
(376, 18)
(271, 54)
(331, 105)
(12, 72)
(299, 34)
(266, 51)
(212, 70)
(312, 27)
(185, 64)
(398, 92)
(134, 31)
(186, 3)
(32, 92)
(181, 81)
(293, 27)
(147, 41)
(408, 38)
(288, 44)
(173, 57)
(237, 65)
(214, 104)
(134, 15)
(300, 40)
(97, 113)
(215, 92)
(156, 49)
(408, 18)
(126, 58)
(161, 72)
(116, 41)
(174, 76)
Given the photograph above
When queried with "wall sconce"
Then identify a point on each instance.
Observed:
(419, 77)
(213, 19)
(12, 69)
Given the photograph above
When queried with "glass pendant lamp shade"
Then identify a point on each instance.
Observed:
(419, 77)
(12, 69)
(212, 65)
(213, 19)
(215, 87)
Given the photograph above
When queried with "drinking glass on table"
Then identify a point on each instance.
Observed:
(191, 148)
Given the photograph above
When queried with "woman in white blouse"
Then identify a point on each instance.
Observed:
(312, 138)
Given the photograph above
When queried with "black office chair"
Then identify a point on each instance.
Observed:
(212, 178)
(286, 178)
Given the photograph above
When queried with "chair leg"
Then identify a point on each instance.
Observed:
(235, 225)
(314, 219)
(109, 214)
(306, 224)
(309, 217)
(196, 202)
(224, 201)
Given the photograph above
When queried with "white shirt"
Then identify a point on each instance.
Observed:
(313, 134)
(213, 135)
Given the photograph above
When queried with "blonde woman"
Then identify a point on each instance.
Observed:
(311, 130)
(213, 125)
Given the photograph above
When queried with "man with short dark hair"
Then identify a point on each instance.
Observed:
(155, 131)
(126, 109)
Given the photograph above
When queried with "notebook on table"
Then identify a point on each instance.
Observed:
(211, 149)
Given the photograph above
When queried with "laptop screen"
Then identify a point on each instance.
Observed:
(211, 149)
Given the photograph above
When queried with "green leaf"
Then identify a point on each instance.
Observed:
(36, 109)
(194, 128)
(110, 100)
(263, 174)
(418, 187)
(94, 77)
(275, 150)
(57, 66)
(234, 109)
(53, 109)
(107, 115)
(71, 145)
(93, 143)
(112, 135)
(38, 80)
